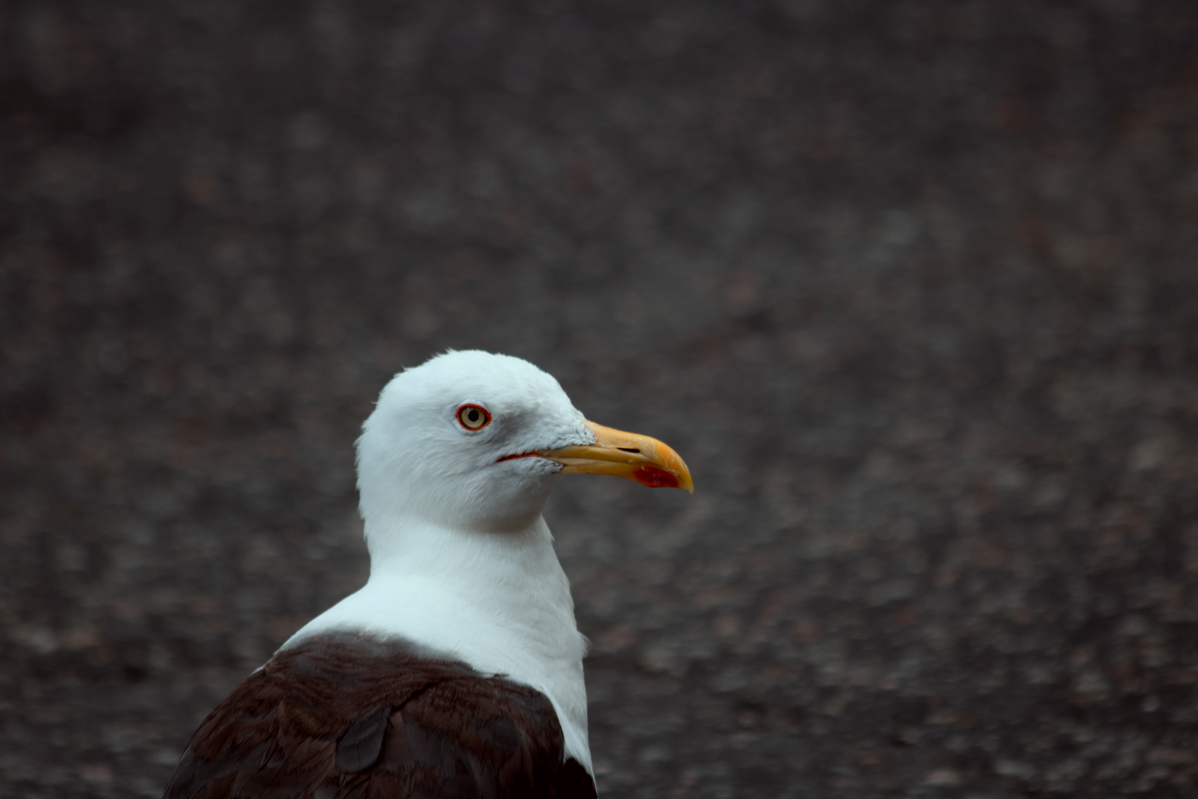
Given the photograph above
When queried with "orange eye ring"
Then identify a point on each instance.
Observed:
(473, 417)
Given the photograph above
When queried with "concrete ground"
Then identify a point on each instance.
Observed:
(911, 285)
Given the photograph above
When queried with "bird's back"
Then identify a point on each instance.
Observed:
(344, 715)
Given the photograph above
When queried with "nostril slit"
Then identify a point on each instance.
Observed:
(628, 449)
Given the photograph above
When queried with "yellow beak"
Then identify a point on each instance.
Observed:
(641, 458)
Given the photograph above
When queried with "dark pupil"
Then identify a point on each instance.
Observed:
(472, 416)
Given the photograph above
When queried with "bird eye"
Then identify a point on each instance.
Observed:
(473, 417)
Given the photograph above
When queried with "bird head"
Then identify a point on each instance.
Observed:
(473, 440)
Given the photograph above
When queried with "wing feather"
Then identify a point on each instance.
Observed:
(347, 716)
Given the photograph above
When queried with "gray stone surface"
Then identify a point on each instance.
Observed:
(911, 285)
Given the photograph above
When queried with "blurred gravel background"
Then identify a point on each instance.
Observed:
(911, 285)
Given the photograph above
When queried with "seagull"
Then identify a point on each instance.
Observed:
(456, 671)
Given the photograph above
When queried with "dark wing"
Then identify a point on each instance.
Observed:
(348, 716)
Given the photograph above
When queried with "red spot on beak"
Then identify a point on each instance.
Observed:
(654, 477)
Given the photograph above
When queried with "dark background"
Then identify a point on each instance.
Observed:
(911, 285)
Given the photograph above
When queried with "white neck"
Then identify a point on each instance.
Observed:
(499, 602)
